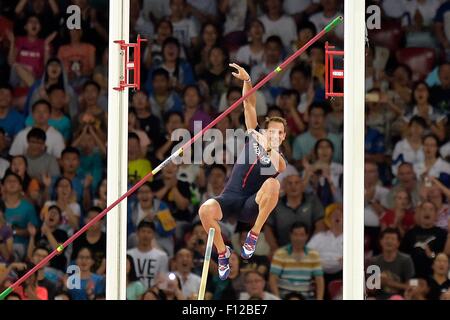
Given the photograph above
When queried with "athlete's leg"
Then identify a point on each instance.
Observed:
(263, 203)
(210, 214)
(267, 199)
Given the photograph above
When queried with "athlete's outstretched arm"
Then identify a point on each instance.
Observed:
(250, 103)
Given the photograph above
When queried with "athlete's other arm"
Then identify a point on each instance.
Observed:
(249, 103)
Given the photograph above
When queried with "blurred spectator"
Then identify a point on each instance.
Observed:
(92, 154)
(301, 80)
(425, 240)
(406, 180)
(295, 267)
(396, 267)
(40, 163)
(80, 184)
(400, 217)
(65, 198)
(155, 10)
(235, 12)
(91, 114)
(193, 109)
(153, 52)
(30, 289)
(417, 290)
(278, 24)
(94, 239)
(190, 282)
(27, 57)
(251, 54)
(134, 127)
(163, 98)
(231, 288)
(58, 118)
(323, 174)
(296, 206)
(210, 37)
(410, 149)
(39, 254)
(4, 163)
(49, 237)
(254, 288)
(6, 237)
(440, 92)
(329, 245)
(172, 120)
(100, 199)
(179, 70)
(149, 208)
(78, 57)
(441, 28)
(330, 10)
(18, 213)
(434, 119)
(46, 11)
(176, 194)
(135, 288)
(303, 145)
(138, 165)
(432, 165)
(439, 282)
(147, 121)
(184, 29)
(91, 284)
(288, 101)
(93, 23)
(201, 10)
(375, 198)
(54, 74)
(149, 262)
(41, 114)
(31, 187)
(272, 57)
(215, 74)
(11, 121)
(439, 194)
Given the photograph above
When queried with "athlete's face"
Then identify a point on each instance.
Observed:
(275, 134)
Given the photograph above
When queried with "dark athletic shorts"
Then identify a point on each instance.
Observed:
(243, 207)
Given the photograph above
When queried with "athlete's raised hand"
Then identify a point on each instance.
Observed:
(241, 73)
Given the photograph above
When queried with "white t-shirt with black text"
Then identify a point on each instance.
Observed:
(148, 265)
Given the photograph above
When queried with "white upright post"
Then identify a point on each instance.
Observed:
(117, 172)
(354, 63)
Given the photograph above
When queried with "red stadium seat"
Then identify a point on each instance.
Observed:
(335, 289)
(389, 36)
(420, 60)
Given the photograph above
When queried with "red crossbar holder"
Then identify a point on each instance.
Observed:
(330, 72)
(134, 66)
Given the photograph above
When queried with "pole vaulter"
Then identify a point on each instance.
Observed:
(177, 153)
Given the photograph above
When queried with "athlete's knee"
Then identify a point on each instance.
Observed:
(272, 187)
(210, 210)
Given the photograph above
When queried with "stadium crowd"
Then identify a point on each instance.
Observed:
(53, 133)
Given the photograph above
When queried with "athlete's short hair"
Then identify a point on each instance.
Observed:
(276, 119)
